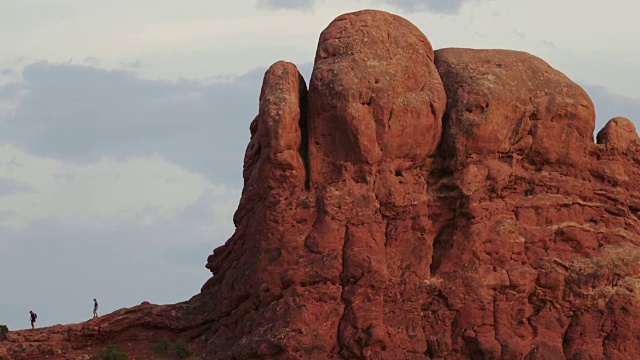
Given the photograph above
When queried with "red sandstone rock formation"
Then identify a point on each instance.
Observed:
(135, 329)
(415, 205)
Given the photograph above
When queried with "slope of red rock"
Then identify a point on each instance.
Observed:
(136, 330)
(413, 204)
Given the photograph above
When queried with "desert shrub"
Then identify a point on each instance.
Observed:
(161, 347)
(112, 352)
(182, 350)
(4, 330)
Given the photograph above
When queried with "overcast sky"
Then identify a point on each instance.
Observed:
(123, 125)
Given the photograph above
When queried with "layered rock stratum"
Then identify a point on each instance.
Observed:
(411, 204)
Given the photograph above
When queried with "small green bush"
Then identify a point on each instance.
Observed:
(112, 352)
(4, 330)
(182, 350)
(161, 347)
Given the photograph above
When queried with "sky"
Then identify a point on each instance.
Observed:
(123, 125)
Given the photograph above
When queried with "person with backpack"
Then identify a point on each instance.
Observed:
(95, 308)
(34, 317)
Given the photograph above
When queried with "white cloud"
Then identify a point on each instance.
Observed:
(304, 5)
(11, 92)
(208, 39)
(125, 230)
(110, 192)
(83, 113)
(450, 7)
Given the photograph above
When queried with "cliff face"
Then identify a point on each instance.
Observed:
(415, 204)
(429, 205)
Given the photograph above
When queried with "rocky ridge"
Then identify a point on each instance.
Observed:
(412, 204)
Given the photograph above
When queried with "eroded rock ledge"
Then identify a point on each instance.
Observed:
(415, 204)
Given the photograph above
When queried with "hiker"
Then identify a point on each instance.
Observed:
(33, 319)
(95, 308)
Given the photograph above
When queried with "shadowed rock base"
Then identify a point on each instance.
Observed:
(413, 205)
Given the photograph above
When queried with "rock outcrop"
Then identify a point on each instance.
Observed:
(419, 205)
(620, 135)
(510, 102)
(136, 330)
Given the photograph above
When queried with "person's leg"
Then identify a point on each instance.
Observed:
(33, 325)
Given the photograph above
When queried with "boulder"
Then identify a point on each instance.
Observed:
(503, 101)
(619, 134)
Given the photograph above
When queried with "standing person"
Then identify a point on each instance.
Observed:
(95, 308)
(33, 318)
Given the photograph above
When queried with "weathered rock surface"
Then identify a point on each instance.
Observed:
(619, 135)
(512, 102)
(415, 205)
(135, 329)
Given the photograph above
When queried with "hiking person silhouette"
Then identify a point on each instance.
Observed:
(95, 308)
(33, 318)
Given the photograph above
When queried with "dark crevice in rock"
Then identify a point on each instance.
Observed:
(304, 132)
(441, 244)
(342, 322)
